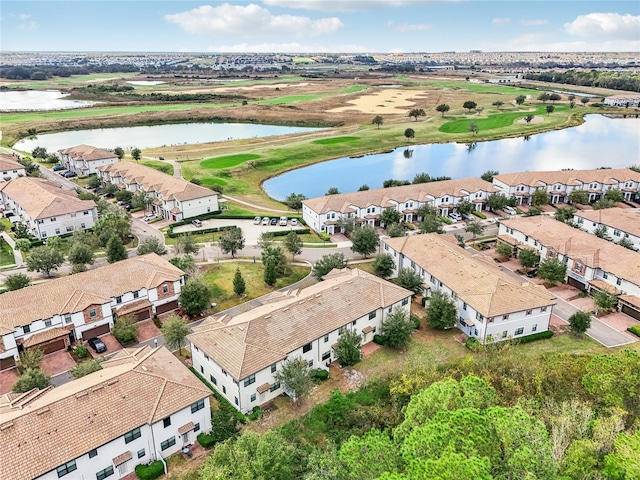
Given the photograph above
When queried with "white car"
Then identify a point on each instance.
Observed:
(294, 222)
(283, 221)
(265, 221)
(257, 220)
(510, 210)
(149, 217)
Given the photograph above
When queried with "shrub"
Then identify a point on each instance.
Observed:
(150, 471)
(255, 414)
(472, 343)
(319, 374)
(81, 351)
(125, 330)
(446, 220)
(205, 440)
(479, 214)
(379, 339)
(582, 293)
(635, 329)
(416, 322)
(535, 336)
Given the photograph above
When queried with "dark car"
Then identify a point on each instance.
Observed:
(97, 344)
(532, 273)
(57, 168)
(274, 221)
(69, 174)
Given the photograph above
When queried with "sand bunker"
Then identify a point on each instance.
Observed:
(535, 119)
(389, 100)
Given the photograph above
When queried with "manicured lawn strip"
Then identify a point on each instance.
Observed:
(481, 87)
(499, 120)
(6, 254)
(228, 160)
(355, 89)
(159, 165)
(288, 99)
(213, 181)
(334, 140)
(79, 80)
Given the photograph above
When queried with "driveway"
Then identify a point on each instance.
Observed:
(57, 362)
(7, 379)
(110, 342)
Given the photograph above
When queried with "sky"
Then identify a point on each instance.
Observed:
(319, 26)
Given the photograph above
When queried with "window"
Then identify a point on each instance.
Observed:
(605, 275)
(132, 435)
(479, 316)
(47, 323)
(372, 315)
(405, 301)
(326, 339)
(454, 295)
(249, 380)
(26, 328)
(224, 389)
(196, 427)
(519, 331)
(528, 312)
(619, 281)
(310, 363)
(235, 399)
(355, 321)
(214, 380)
(136, 294)
(201, 369)
(342, 329)
(252, 398)
(199, 405)
(464, 306)
(168, 443)
(274, 387)
(543, 309)
(534, 327)
(118, 299)
(431, 279)
(93, 453)
(326, 356)
(82, 225)
(86, 212)
(69, 228)
(53, 219)
(107, 472)
(57, 231)
(141, 453)
(617, 233)
(306, 348)
(490, 320)
(505, 317)
(68, 467)
(165, 288)
(274, 367)
(93, 313)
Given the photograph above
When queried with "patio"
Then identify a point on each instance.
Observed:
(7, 379)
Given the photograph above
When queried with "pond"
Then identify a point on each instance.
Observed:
(40, 100)
(600, 141)
(155, 135)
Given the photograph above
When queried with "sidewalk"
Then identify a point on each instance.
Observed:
(17, 255)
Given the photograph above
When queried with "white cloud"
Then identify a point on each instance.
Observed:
(406, 27)
(250, 20)
(24, 16)
(28, 26)
(611, 25)
(340, 5)
(543, 42)
(533, 23)
(500, 22)
(287, 48)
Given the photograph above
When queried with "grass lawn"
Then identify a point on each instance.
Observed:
(228, 160)
(498, 120)
(219, 278)
(334, 140)
(355, 89)
(6, 254)
(159, 165)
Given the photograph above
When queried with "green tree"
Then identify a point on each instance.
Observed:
(520, 99)
(377, 120)
(552, 270)
(39, 152)
(274, 256)
(185, 244)
(151, 245)
(431, 224)
(125, 329)
(397, 329)
(136, 154)
(224, 424)
(579, 196)
(540, 197)
(347, 225)
(369, 456)
(565, 214)
(584, 101)
(443, 108)
(528, 118)
(265, 240)
(554, 97)
(614, 194)
(465, 207)
(86, 367)
(475, 227)
(186, 263)
(23, 245)
(119, 152)
(497, 202)
(115, 250)
(626, 243)
(44, 259)
(417, 112)
(624, 462)
(194, 297)
(81, 254)
(140, 200)
(332, 191)
(16, 281)
(328, 263)
(113, 222)
(409, 279)
(497, 104)
(441, 313)
(409, 133)
(469, 105)
(239, 285)
(389, 216)
(348, 348)
(450, 465)
(175, 330)
(231, 240)
(580, 322)
(550, 109)
(383, 265)
(270, 273)
(528, 257)
(124, 196)
(295, 377)
(605, 301)
(294, 201)
(31, 358)
(364, 240)
(533, 210)
(543, 97)
(473, 127)
(293, 244)
(94, 182)
(504, 250)
(363, 188)
(603, 203)
(29, 379)
(395, 230)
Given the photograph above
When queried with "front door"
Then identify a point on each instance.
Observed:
(185, 438)
(123, 468)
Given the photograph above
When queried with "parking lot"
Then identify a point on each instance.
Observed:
(250, 230)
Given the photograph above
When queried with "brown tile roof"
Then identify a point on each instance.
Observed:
(263, 388)
(76, 292)
(153, 180)
(581, 246)
(87, 153)
(133, 306)
(420, 192)
(253, 340)
(42, 199)
(624, 219)
(123, 457)
(477, 282)
(569, 177)
(602, 285)
(187, 427)
(68, 421)
(45, 336)
(631, 300)
(9, 162)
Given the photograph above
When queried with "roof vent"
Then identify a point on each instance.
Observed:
(473, 265)
(6, 425)
(98, 388)
(285, 309)
(82, 394)
(43, 411)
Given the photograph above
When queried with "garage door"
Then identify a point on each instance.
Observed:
(143, 315)
(631, 312)
(167, 307)
(96, 331)
(6, 363)
(53, 346)
(575, 283)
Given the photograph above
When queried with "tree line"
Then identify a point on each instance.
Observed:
(593, 78)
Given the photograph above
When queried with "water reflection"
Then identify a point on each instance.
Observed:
(40, 100)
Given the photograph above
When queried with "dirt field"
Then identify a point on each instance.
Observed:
(387, 100)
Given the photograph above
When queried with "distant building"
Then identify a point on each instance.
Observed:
(45, 208)
(85, 159)
(623, 100)
(619, 223)
(10, 168)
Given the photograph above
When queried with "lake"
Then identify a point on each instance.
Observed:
(155, 135)
(600, 141)
(38, 100)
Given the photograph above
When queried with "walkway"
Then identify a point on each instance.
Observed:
(17, 256)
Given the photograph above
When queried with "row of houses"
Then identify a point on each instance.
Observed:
(85, 160)
(616, 223)
(324, 214)
(85, 305)
(10, 168)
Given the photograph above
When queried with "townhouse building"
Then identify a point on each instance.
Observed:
(619, 223)
(85, 159)
(142, 406)
(559, 184)
(622, 100)
(171, 198)
(53, 315)
(491, 306)
(592, 263)
(323, 214)
(240, 355)
(10, 168)
(46, 209)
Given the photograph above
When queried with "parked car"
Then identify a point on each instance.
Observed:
(57, 168)
(257, 220)
(97, 345)
(265, 221)
(532, 273)
(69, 174)
(274, 221)
(160, 158)
(149, 217)
(510, 210)
(283, 221)
(196, 223)
(294, 222)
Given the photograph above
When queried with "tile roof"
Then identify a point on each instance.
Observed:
(480, 284)
(569, 177)
(625, 219)
(45, 336)
(253, 340)
(72, 419)
(420, 192)
(153, 180)
(581, 246)
(76, 292)
(87, 153)
(42, 199)
(9, 162)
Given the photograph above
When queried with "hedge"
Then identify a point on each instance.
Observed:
(446, 220)
(319, 374)
(635, 329)
(171, 234)
(535, 336)
(472, 343)
(255, 414)
(206, 440)
(479, 214)
(379, 339)
(150, 471)
(416, 322)
(224, 403)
